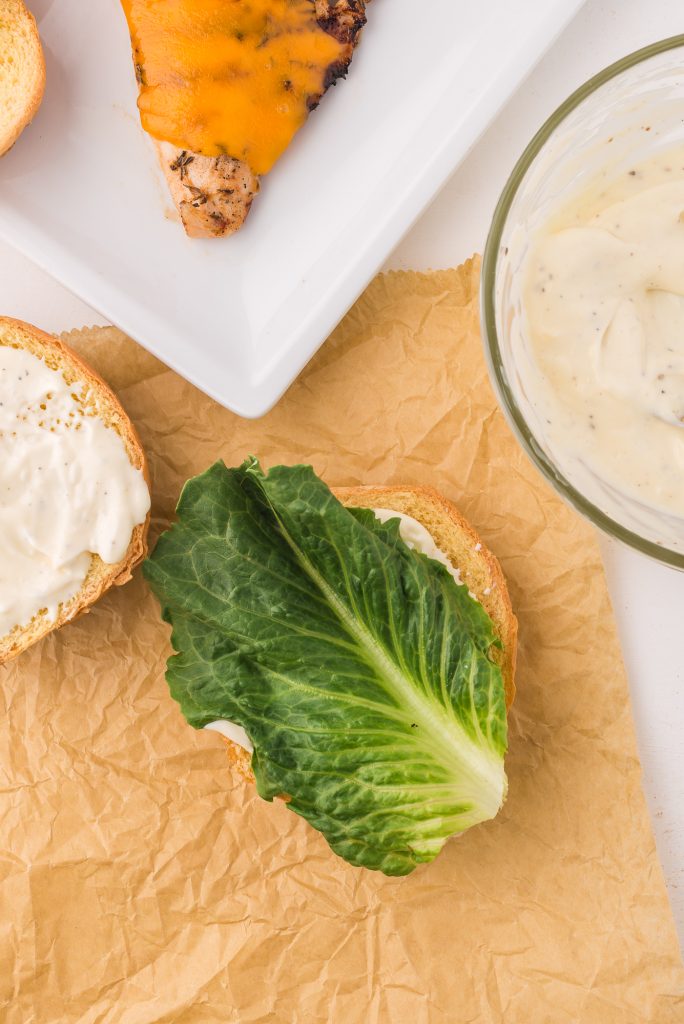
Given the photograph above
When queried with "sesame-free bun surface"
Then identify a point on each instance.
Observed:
(22, 71)
(102, 403)
(453, 535)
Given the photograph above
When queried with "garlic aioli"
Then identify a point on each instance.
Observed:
(603, 300)
(415, 537)
(67, 489)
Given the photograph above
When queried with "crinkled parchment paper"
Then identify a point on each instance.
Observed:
(140, 882)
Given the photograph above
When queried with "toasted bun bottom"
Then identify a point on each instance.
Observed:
(460, 543)
(106, 406)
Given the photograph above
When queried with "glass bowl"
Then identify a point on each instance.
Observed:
(624, 115)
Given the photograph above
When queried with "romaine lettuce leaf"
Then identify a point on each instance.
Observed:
(359, 669)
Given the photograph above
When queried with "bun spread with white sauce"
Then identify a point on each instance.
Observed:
(355, 648)
(74, 495)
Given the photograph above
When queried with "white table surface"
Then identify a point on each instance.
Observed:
(648, 599)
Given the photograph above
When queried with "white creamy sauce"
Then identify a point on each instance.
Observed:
(604, 304)
(67, 490)
(415, 537)
(233, 732)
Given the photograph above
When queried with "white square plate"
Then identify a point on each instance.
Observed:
(82, 195)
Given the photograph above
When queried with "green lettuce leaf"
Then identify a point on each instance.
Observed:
(359, 669)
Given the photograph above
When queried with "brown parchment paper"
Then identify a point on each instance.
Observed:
(140, 882)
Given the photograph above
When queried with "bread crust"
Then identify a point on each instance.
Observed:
(482, 573)
(100, 576)
(35, 74)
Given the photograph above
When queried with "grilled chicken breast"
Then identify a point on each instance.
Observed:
(214, 194)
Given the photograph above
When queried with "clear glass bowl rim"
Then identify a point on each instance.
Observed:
(488, 312)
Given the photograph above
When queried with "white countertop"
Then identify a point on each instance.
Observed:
(648, 599)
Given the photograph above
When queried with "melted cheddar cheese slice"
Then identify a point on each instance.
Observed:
(229, 77)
